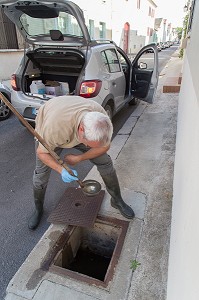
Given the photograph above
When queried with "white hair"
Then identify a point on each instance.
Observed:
(97, 127)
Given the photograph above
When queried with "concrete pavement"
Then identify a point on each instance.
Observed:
(143, 153)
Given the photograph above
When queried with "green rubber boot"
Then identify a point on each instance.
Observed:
(113, 188)
(39, 201)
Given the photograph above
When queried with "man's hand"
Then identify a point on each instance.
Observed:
(66, 177)
(72, 159)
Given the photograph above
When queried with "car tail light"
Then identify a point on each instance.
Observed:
(89, 89)
(14, 83)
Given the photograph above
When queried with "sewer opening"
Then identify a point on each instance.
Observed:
(89, 263)
(91, 252)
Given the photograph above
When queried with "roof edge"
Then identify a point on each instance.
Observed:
(153, 3)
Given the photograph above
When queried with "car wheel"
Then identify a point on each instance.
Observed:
(5, 112)
(109, 111)
(133, 101)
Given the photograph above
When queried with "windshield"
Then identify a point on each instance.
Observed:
(65, 22)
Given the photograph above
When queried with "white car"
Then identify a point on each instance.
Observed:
(62, 54)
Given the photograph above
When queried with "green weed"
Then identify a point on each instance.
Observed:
(134, 264)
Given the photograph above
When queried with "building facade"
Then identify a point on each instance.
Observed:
(164, 30)
(183, 274)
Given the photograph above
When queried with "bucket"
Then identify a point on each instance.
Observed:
(37, 87)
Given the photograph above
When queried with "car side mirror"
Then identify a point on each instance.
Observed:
(142, 65)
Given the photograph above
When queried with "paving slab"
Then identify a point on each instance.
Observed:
(136, 200)
(51, 291)
(139, 109)
(117, 145)
(128, 126)
(14, 297)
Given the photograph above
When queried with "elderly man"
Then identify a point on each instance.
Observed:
(74, 122)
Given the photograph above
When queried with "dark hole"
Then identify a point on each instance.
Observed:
(77, 204)
(88, 263)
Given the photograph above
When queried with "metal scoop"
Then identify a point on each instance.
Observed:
(89, 187)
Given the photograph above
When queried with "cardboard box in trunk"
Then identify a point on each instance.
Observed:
(53, 88)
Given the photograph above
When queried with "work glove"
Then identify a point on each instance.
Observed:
(66, 177)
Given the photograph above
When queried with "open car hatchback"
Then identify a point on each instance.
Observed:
(63, 60)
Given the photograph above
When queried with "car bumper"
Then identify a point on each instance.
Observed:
(25, 104)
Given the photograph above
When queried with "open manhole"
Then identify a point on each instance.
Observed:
(90, 254)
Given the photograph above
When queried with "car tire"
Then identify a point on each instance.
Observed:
(5, 112)
(133, 101)
(109, 111)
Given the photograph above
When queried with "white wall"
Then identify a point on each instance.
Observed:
(183, 275)
(9, 62)
(137, 41)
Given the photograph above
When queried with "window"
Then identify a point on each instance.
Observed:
(110, 61)
(102, 30)
(191, 16)
(149, 11)
(66, 23)
(123, 61)
(149, 63)
(105, 62)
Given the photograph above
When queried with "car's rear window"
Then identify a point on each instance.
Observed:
(65, 22)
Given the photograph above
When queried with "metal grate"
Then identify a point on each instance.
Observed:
(77, 209)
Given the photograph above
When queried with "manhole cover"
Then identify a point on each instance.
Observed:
(75, 208)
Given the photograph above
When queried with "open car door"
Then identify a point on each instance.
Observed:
(145, 73)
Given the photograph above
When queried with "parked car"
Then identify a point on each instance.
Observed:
(5, 112)
(167, 45)
(163, 46)
(159, 47)
(62, 52)
(151, 50)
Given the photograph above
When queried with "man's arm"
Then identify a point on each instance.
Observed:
(72, 159)
(48, 160)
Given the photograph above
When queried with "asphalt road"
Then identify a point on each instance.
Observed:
(17, 162)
